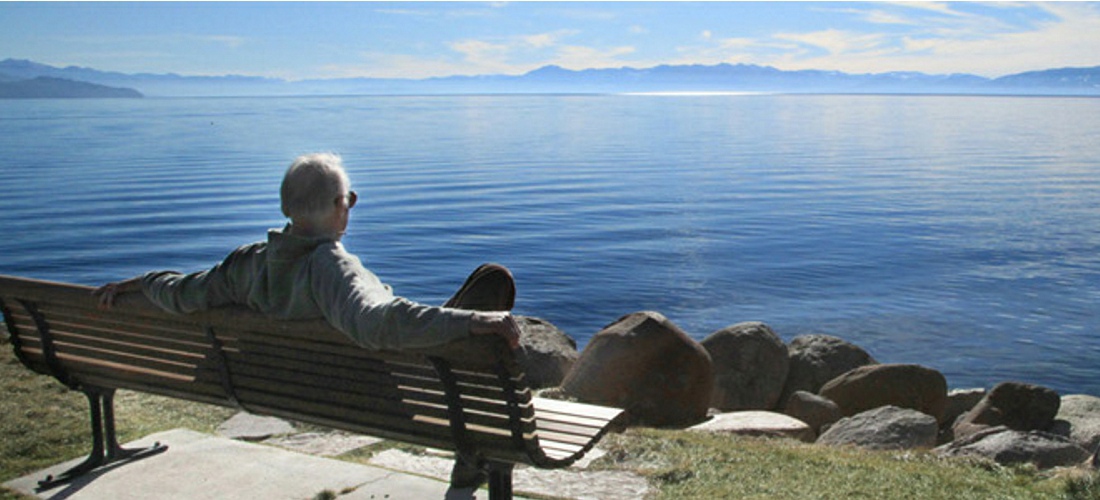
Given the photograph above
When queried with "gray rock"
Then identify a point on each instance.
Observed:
(571, 482)
(758, 423)
(248, 427)
(1006, 446)
(750, 366)
(905, 386)
(548, 353)
(322, 444)
(1018, 406)
(817, 359)
(884, 428)
(1079, 419)
(816, 411)
(648, 366)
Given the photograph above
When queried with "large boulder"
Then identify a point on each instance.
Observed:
(648, 366)
(758, 423)
(905, 386)
(1006, 446)
(817, 359)
(1018, 406)
(884, 428)
(815, 410)
(1079, 419)
(750, 366)
(547, 354)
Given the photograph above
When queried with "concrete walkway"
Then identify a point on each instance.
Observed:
(202, 466)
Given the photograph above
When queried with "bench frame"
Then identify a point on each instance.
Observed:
(469, 397)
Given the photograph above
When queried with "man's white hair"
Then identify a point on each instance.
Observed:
(311, 185)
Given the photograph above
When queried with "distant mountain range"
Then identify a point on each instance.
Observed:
(44, 87)
(39, 80)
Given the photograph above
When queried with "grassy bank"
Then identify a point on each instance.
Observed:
(699, 465)
(43, 423)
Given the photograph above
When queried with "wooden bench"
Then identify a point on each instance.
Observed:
(469, 397)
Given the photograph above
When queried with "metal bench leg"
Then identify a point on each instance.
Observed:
(95, 458)
(115, 451)
(105, 447)
(500, 481)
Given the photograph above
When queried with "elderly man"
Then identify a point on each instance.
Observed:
(303, 272)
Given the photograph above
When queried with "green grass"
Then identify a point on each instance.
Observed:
(42, 424)
(681, 464)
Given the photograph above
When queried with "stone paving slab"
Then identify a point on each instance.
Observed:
(570, 483)
(200, 466)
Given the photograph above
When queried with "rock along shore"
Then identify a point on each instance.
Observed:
(818, 388)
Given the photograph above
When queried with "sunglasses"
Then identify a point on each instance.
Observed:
(352, 197)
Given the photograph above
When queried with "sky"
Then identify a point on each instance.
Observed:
(297, 41)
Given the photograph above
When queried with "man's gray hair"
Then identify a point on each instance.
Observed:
(311, 186)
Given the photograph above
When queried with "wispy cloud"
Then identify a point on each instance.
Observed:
(922, 36)
(579, 57)
(165, 39)
(837, 42)
(136, 53)
(228, 41)
(470, 10)
(501, 55)
(1068, 38)
(486, 57)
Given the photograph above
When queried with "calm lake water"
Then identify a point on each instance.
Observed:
(962, 233)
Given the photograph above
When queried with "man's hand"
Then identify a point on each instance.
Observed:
(496, 323)
(107, 293)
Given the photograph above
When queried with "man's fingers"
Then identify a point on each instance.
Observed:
(106, 295)
(501, 324)
(513, 331)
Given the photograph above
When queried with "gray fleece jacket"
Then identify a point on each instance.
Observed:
(289, 277)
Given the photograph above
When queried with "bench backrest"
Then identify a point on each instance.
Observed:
(468, 396)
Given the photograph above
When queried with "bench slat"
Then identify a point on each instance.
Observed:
(208, 393)
(63, 313)
(397, 401)
(587, 432)
(546, 436)
(283, 370)
(440, 441)
(322, 345)
(571, 419)
(549, 406)
(354, 419)
(263, 376)
(280, 370)
(480, 436)
(37, 359)
(122, 359)
(560, 446)
(139, 351)
(189, 392)
(349, 357)
(23, 322)
(77, 363)
(170, 340)
(558, 454)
